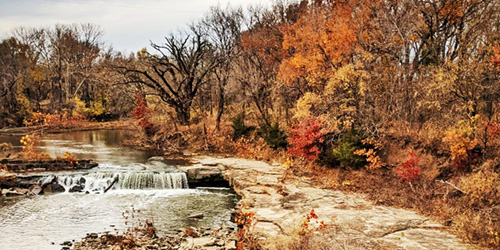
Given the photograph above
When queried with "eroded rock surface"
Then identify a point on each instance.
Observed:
(281, 206)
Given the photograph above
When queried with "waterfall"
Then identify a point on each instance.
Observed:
(100, 181)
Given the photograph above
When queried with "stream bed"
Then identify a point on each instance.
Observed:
(158, 190)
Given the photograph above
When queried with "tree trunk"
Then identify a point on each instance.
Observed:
(183, 114)
(220, 108)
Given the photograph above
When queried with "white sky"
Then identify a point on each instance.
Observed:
(128, 25)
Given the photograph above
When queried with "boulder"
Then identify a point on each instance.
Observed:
(35, 189)
(156, 158)
(76, 189)
(231, 245)
(205, 176)
(53, 188)
(8, 180)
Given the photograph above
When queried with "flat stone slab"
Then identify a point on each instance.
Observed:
(21, 166)
(280, 207)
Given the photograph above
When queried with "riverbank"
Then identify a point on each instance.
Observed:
(363, 224)
(290, 211)
(80, 126)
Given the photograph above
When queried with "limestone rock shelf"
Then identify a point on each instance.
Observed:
(280, 207)
(22, 166)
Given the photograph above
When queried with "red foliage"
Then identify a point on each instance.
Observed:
(311, 223)
(409, 171)
(495, 60)
(305, 139)
(494, 130)
(142, 112)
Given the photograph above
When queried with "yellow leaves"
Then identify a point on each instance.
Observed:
(351, 78)
(28, 150)
(346, 183)
(25, 140)
(494, 238)
(143, 53)
(460, 139)
(37, 74)
(288, 163)
(305, 104)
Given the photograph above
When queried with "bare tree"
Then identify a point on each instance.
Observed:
(176, 72)
(223, 29)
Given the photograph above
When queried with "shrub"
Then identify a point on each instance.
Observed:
(462, 146)
(482, 188)
(70, 158)
(239, 128)
(28, 150)
(246, 221)
(273, 136)
(306, 139)
(371, 155)
(142, 113)
(409, 171)
(348, 143)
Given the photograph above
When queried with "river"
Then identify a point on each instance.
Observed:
(158, 190)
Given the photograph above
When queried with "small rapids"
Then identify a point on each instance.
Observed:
(103, 181)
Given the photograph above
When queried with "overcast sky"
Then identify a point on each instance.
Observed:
(128, 25)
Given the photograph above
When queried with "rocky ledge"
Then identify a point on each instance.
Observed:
(21, 166)
(12, 184)
(203, 175)
(280, 206)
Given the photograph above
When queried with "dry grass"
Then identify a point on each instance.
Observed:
(468, 202)
(313, 236)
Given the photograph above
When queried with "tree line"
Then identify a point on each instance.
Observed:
(352, 64)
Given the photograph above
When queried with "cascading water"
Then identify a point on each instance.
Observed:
(102, 181)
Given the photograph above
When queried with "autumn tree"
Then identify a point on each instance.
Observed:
(261, 58)
(325, 56)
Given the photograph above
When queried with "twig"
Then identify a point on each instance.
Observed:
(452, 185)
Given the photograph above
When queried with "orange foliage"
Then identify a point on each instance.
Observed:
(311, 223)
(321, 41)
(54, 120)
(461, 146)
(246, 221)
(371, 154)
(495, 60)
(69, 157)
